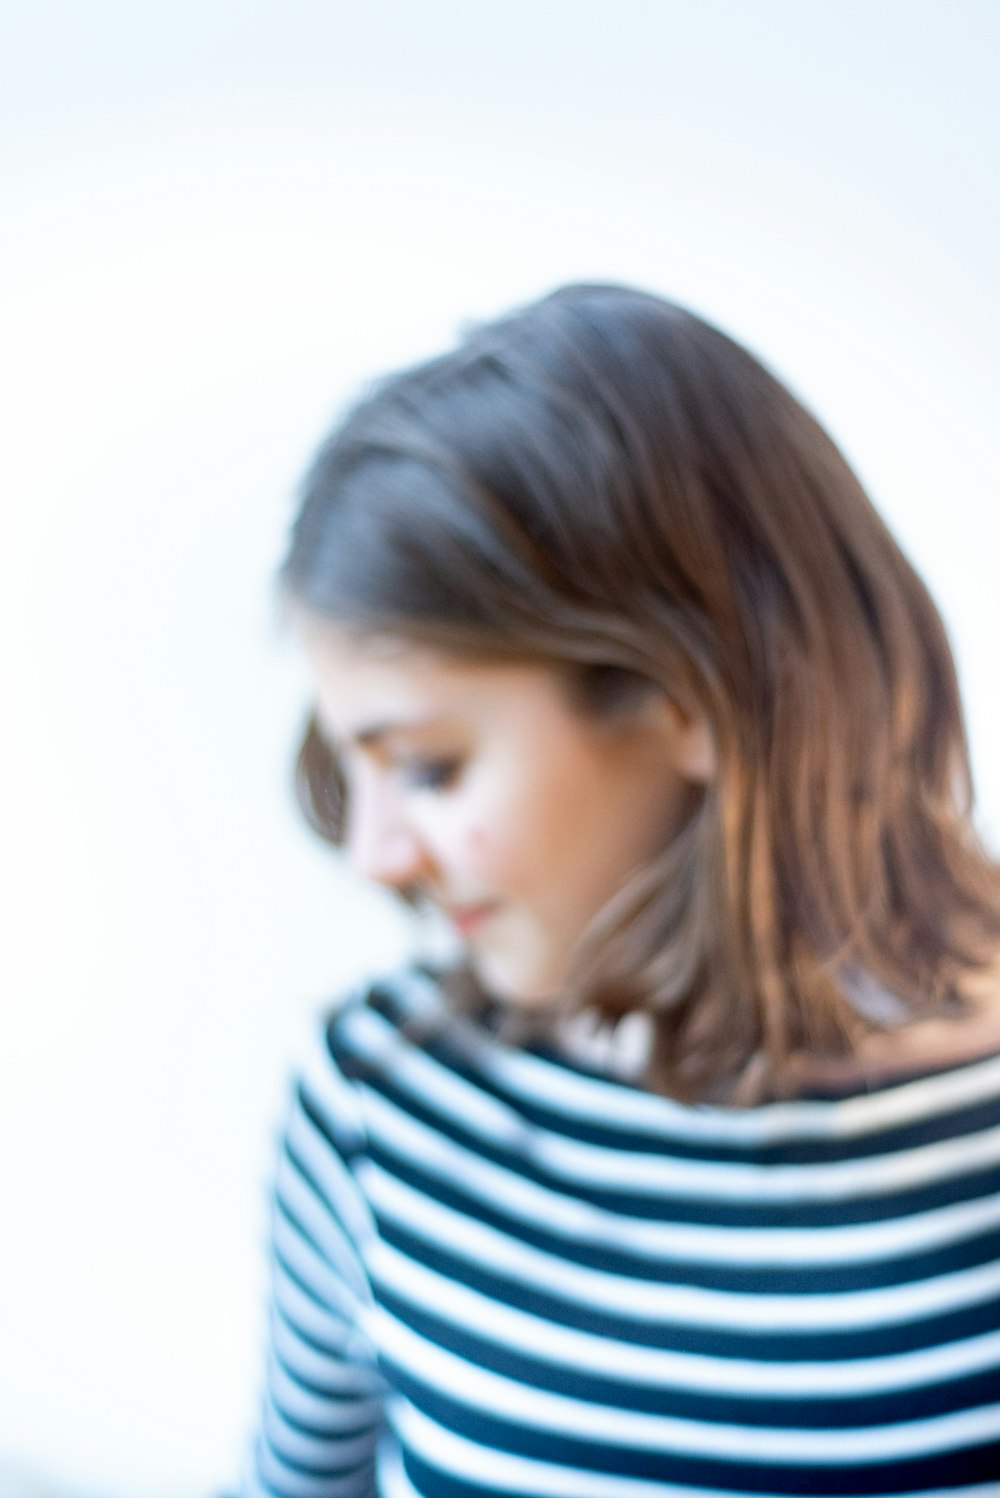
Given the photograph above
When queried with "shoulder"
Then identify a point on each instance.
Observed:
(923, 1047)
(362, 1034)
(355, 1043)
(393, 1004)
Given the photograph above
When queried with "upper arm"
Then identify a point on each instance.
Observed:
(323, 1401)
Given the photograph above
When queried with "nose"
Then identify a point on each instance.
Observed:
(380, 843)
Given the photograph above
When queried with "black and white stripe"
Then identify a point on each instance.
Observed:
(500, 1272)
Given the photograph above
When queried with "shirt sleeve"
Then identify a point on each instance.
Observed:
(324, 1395)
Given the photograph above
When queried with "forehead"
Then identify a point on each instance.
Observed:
(371, 680)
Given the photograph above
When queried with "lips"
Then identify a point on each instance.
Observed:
(468, 918)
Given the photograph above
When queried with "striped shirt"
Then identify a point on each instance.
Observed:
(500, 1272)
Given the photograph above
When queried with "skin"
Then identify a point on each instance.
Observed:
(483, 787)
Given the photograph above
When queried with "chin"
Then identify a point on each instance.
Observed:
(513, 982)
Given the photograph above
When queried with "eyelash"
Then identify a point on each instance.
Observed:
(431, 774)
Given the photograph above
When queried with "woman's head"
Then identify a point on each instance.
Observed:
(486, 788)
(606, 487)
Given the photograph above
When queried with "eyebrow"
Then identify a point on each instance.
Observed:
(370, 734)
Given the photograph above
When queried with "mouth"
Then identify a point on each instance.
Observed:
(468, 918)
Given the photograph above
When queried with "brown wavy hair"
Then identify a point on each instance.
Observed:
(605, 483)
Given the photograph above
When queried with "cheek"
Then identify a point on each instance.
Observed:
(491, 854)
(504, 829)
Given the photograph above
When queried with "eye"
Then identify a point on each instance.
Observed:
(430, 774)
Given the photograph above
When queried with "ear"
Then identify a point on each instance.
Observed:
(688, 740)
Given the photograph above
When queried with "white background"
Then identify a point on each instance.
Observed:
(217, 219)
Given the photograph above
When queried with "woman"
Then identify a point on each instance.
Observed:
(684, 1182)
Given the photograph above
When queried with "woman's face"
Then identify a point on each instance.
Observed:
(481, 786)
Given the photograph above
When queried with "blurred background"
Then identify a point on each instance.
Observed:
(218, 220)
